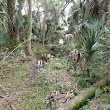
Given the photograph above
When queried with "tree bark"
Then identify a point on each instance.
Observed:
(44, 23)
(28, 50)
(87, 9)
(106, 8)
(86, 94)
(19, 13)
(11, 27)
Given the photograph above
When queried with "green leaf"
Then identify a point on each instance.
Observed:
(98, 92)
(106, 88)
(106, 106)
(96, 46)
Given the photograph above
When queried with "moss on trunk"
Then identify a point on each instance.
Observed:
(86, 94)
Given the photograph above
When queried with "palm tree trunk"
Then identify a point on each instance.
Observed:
(28, 50)
(11, 27)
(84, 95)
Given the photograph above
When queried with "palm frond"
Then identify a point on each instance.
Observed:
(91, 45)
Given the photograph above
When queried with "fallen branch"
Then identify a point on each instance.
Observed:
(13, 107)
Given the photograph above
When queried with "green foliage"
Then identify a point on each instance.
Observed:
(25, 22)
(1, 108)
(49, 22)
(85, 107)
(69, 47)
(98, 92)
(40, 49)
(2, 8)
(17, 20)
(46, 81)
(106, 47)
(57, 49)
(82, 82)
(91, 45)
(106, 89)
(62, 50)
(52, 46)
(36, 31)
(88, 75)
(94, 25)
(17, 74)
(58, 63)
(74, 18)
(105, 97)
(12, 44)
(3, 39)
(106, 106)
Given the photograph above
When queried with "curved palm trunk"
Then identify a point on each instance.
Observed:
(84, 95)
(28, 50)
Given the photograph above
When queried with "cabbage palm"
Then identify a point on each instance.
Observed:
(106, 47)
(91, 46)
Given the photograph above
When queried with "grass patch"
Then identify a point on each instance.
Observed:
(34, 93)
(14, 79)
(1, 107)
(47, 81)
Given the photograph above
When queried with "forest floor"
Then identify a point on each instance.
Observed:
(25, 87)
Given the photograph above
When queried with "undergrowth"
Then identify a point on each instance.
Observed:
(32, 93)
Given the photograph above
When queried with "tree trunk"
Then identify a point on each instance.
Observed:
(86, 94)
(87, 13)
(44, 23)
(11, 27)
(19, 13)
(28, 50)
(39, 14)
(106, 8)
